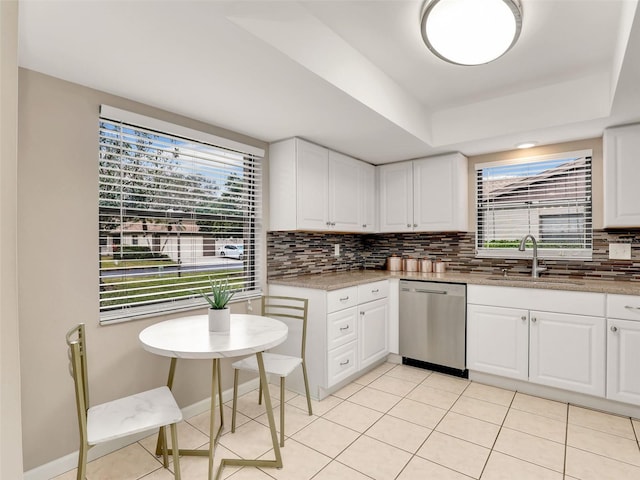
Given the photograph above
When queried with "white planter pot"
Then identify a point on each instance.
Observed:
(219, 320)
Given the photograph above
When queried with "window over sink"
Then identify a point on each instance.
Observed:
(547, 196)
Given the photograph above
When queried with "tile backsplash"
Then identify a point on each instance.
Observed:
(296, 253)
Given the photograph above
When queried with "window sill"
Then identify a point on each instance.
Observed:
(139, 313)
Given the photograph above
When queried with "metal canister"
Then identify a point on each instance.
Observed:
(439, 266)
(426, 265)
(394, 263)
(411, 264)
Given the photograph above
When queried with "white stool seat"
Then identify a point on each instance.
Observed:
(133, 414)
(274, 363)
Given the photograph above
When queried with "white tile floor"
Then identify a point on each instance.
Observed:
(404, 423)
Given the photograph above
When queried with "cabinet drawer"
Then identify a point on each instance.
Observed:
(373, 291)
(343, 298)
(343, 361)
(626, 307)
(342, 327)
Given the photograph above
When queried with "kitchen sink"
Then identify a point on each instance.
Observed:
(541, 281)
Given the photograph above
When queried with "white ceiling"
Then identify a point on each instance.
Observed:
(354, 76)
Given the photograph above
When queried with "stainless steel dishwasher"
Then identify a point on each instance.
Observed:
(433, 325)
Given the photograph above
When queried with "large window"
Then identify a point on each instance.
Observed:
(548, 197)
(174, 210)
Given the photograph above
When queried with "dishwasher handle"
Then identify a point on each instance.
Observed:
(436, 292)
(424, 290)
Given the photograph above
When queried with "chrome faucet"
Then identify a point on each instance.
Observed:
(535, 269)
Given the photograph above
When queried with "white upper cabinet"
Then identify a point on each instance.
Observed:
(313, 188)
(622, 176)
(396, 197)
(344, 193)
(368, 205)
(427, 195)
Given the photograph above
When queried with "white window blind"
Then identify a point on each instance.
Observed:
(548, 197)
(173, 212)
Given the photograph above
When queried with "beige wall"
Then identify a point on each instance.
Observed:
(595, 144)
(10, 428)
(58, 268)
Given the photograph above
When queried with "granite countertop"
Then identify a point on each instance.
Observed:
(337, 280)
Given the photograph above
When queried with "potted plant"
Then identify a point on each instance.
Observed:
(219, 313)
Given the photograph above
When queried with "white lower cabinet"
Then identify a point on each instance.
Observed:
(498, 341)
(554, 338)
(347, 331)
(373, 328)
(623, 348)
(567, 351)
(623, 361)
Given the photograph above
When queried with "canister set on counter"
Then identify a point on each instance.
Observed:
(396, 263)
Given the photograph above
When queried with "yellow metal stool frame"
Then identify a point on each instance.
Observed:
(279, 307)
(100, 423)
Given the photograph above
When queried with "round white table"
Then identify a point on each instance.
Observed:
(190, 338)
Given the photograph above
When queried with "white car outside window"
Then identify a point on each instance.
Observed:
(232, 251)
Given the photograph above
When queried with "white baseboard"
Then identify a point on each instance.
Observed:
(559, 395)
(69, 462)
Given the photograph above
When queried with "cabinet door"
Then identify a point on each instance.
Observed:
(313, 186)
(373, 328)
(440, 193)
(623, 359)
(367, 213)
(567, 351)
(344, 193)
(622, 176)
(396, 197)
(498, 341)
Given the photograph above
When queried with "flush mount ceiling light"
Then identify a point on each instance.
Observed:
(471, 32)
(526, 144)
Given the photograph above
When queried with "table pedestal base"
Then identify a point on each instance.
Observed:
(277, 462)
(216, 384)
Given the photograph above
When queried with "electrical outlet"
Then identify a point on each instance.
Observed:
(620, 251)
(336, 250)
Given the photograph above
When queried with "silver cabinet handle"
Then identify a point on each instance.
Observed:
(375, 291)
(408, 225)
(364, 225)
(344, 328)
(630, 307)
(344, 299)
(361, 313)
(614, 328)
(346, 362)
(534, 319)
(523, 318)
(328, 224)
(415, 225)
